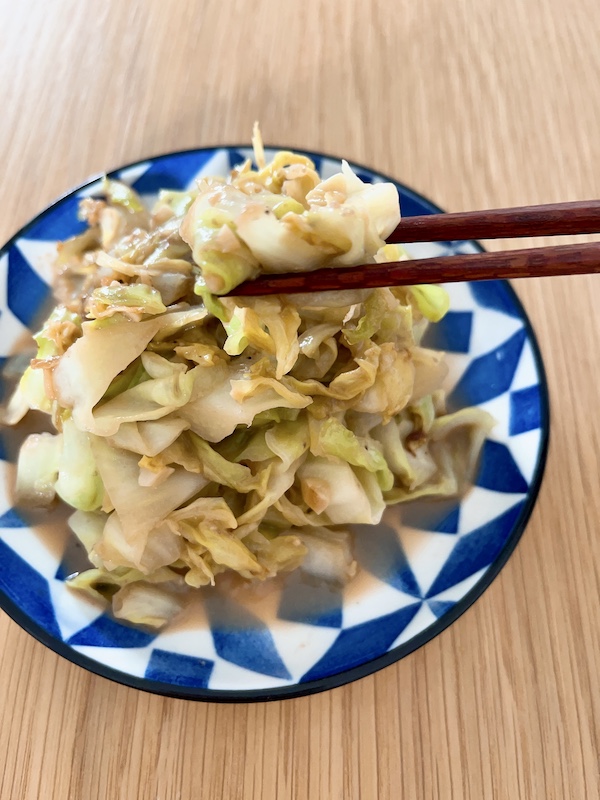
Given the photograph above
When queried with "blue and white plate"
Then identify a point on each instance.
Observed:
(420, 569)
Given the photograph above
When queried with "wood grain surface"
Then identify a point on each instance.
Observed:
(476, 104)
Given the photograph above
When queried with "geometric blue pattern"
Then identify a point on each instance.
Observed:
(27, 589)
(63, 571)
(440, 607)
(498, 471)
(364, 176)
(450, 523)
(496, 296)
(452, 333)
(362, 643)
(12, 519)
(179, 670)
(379, 552)
(441, 517)
(525, 414)
(74, 559)
(236, 158)
(252, 649)
(307, 631)
(106, 632)
(411, 205)
(311, 604)
(58, 222)
(27, 292)
(175, 172)
(242, 638)
(475, 551)
(489, 375)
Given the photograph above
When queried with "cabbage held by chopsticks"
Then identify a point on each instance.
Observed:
(199, 434)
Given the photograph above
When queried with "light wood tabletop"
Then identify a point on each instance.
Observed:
(475, 104)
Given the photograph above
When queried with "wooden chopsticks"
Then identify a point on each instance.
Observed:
(555, 219)
(570, 259)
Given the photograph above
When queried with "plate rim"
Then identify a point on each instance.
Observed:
(368, 667)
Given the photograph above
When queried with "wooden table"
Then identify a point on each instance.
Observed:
(475, 104)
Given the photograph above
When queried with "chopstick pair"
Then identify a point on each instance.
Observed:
(502, 223)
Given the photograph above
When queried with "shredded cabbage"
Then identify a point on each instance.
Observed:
(199, 435)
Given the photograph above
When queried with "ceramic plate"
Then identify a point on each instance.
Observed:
(419, 570)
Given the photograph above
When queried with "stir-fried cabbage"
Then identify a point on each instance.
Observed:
(198, 434)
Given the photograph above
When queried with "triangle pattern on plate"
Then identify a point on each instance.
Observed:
(24, 543)
(231, 676)
(27, 589)
(40, 255)
(361, 643)
(381, 553)
(498, 470)
(59, 222)
(300, 646)
(178, 670)
(318, 603)
(526, 372)
(378, 599)
(130, 175)
(426, 553)
(452, 333)
(130, 660)
(423, 619)
(475, 550)
(495, 295)
(525, 449)
(525, 410)
(12, 519)
(440, 607)
(177, 172)
(27, 292)
(108, 632)
(242, 638)
(492, 329)
(481, 506)
(489, 375)
(74, 610)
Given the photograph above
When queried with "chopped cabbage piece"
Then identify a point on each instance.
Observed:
(37, 469)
